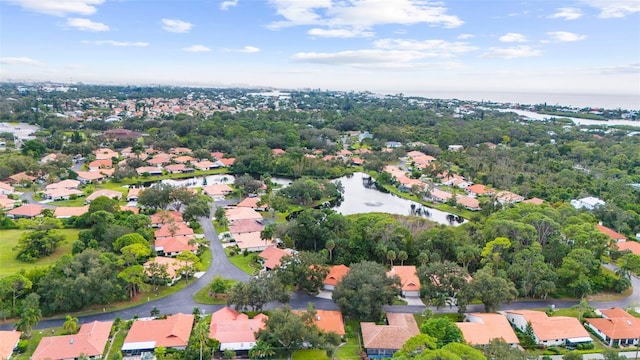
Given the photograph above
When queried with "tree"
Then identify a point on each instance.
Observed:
(306, 270)
(36, 244)
(17, 285)
(443, 329)
(217, 286)
(181, 196)
(156, 197)
(573, 355)
(247, 184)
(70, 325)
(417, 345)
(464, 351)
(197, 209)
(30, 315)
(134, 276)
(221, 216)
(261, 350)
(391, 256)
(498, 349)
(257, 292)
(190, 263)
(364, 290)
(135, 253)
(129, 239)
(443, 280)
(330, 245)
(402, 256)
(267, 233)
(158, 275)
(491, 290)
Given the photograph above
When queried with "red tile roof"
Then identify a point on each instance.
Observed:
(90, 341)
(176, 229)
(242, 213)
(611, 233)
(68, 211)
(174, 244)
(245, 226)
(173, 331)
(251, 202)
(8, 341)
(230, 326)
(156, 219)
(484, 327)
(408, 277)
(535, 201)
(217, 189)
(401, 327)
(272, 256)
(27, 210)
(552, 328)
(632, 246)
(335, 275)
(617, 324)
(330, 321)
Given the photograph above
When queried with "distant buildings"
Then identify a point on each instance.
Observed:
(588, 203)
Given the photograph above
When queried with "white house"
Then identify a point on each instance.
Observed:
(234, 330)
(616, 327)
(588, 203)
(549, 331)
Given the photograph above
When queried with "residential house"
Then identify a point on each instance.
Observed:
(178, 169)
(61, 194)
(277, 152)
(245, 226)
(48, 158)
(90, 342)
(242, 213)
(146, 335)
(159, 159)
(455, 148)
(227, 162)
(165, 217)
(21, 177)
(482, 328)
(612, 234)
(8, 342)
(172, 265)
(150, 170)
(588, 203)
(234, 330)
(632, 246)
(335, 275)
(86, 177)
(100, 164)
(507, 197)
(172, 230)
(102, 154)
(252, 202)
(616, 327)
(382, 341)
(534, 201)
(479, 190)
(180, 151)
(64, 184)
(409, 282)
(204, 165)
(468, 202)
(252, 242)
(29, 211)
(133, 194)
(6, 189)
(174, 245)
(392, 144)
(217, 191)
(549, 331)
(271, 257)
(440, 196)
(111, 194)
(184, 159)
(6, 203)
(330, 321)
(65, 212)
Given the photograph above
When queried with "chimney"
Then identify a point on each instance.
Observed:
(71, 341)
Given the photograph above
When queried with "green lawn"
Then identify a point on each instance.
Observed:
(310, 354)
(244, 263)
(350, 350)
(9, 239)
(77, 202)
(202, 296)
(117, 343)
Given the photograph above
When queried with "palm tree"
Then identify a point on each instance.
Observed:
(201, 334)
(391, 255)
(70, 324)
(261, 350)
(267, 233)
(29, 318)
(402, 256)
(330, 246)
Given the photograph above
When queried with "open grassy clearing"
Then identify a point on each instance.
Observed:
(244, 263)
(9, 240)
(310, 355)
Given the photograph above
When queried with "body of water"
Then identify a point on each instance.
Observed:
(199, 181)
(577, 121)
(359, 199)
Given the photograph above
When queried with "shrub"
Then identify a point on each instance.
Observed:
(22, 346)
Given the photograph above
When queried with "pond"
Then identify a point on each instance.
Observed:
(359, 199)
(198, 181)
(576, 121)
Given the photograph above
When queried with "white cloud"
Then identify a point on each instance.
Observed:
(567, 13)
(117, 43)
(511, 52)
(465, 36)
(86, 24)
(60, 7)
(624, 69)
(363, 14)
(247, 50)
(513, 37)
(614, 8)
(563, 36)
(389, 53)
(19, 61)
(196, 48)
(176, 26)
(339, 33)
(225, 5)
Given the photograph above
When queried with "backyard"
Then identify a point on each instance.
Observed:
(9, 240)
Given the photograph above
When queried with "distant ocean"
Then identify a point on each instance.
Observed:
(608, 101)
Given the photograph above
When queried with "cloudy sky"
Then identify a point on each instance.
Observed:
(579, 46)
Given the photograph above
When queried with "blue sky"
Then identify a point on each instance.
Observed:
(579, 46)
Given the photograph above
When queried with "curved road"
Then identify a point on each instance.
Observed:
(182, 301)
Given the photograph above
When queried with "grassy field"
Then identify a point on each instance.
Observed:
(244, 263)
(310, 355)
(350, 350)
(202, 296)
(9, 239)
